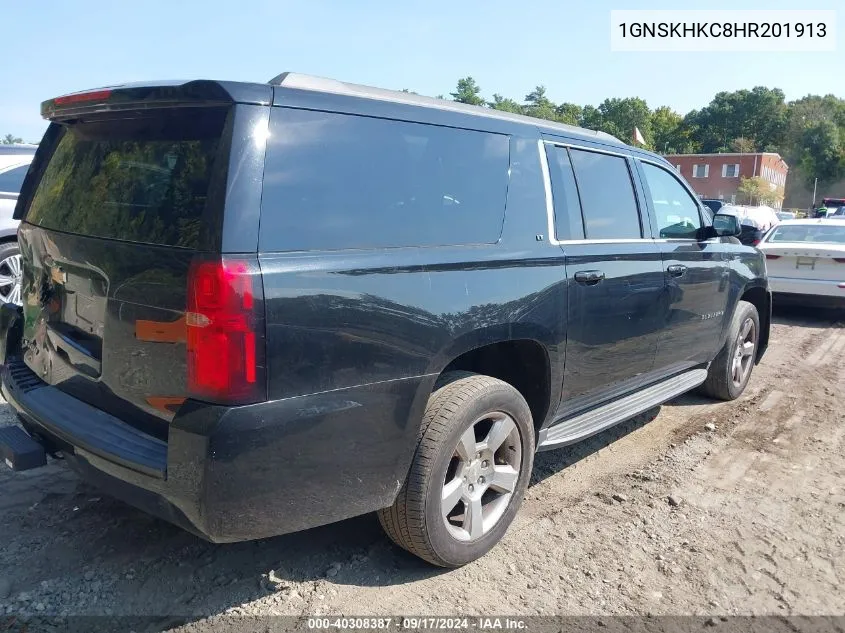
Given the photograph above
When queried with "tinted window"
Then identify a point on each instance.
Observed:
(142, 180)
(607, 196)
(816, 233)
(335, 181)
(11, 180)
(569, 224)
(676, 211)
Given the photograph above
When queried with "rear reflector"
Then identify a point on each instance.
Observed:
(94, 95)
(226, 335)
(772, 256)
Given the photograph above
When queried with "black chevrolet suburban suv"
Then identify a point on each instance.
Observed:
(252, 309)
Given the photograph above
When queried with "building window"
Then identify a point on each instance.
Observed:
(730, 171)
(678, 168)
(700, 171)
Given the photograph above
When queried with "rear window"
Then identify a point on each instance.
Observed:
(338, 181)
(143, 179)
(815, 233)
(607, 196)
(12, 179)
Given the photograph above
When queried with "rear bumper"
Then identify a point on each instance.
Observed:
(238, 473)
(808, 287)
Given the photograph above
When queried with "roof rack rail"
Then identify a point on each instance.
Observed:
(302, 81)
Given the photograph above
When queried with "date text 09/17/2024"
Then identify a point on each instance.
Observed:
(417, 623)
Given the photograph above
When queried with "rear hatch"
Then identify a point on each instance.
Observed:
(121, 231)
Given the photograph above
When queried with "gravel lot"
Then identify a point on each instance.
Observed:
(696, 508)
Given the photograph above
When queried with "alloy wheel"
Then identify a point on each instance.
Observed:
(10, 279)
(481, 476)
(743, 359)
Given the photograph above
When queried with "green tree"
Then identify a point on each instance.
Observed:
(620, 116)
(668, 132)
(569, 113)
(591, 118)
(10, 140)
(506, 105)
(537, 104)
(823, 156)
(743, 145)
(468, 91)
(759, 114)
(752, 190)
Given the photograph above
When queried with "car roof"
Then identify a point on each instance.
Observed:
(299, 81)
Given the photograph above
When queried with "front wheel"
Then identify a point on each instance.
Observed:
(730, 371)
(469, 473)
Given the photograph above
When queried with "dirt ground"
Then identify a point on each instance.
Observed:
(697, 508)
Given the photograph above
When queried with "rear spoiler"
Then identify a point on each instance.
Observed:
(154, 95)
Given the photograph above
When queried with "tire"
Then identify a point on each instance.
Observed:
(721, 380)
(8, 293)
(462, 401)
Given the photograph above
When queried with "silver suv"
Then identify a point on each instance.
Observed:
(14, 163)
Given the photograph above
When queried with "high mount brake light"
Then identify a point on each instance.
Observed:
(81, 97)
(226, 331)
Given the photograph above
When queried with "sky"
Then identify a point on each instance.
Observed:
(54, 47)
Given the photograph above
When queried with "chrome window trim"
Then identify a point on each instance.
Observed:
(547, 189)
(585, 148)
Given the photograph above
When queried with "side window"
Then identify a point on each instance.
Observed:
(608, 202)
(338, 181)
(12, 179)
(677, 212)
(568, 222)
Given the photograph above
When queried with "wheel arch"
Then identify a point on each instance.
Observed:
(759, 295)
(523, 355)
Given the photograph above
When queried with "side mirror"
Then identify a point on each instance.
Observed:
(725, 225)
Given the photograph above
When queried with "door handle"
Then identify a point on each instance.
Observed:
(589, 277)
(676, 270)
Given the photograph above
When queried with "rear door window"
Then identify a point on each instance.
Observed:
(142, 179)
(11, 180)
(338, 181)
(607, 195)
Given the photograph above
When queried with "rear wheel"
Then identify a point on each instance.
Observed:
(10, 273)
(730, 371)
(469, 473)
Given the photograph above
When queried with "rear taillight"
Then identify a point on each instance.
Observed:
(755, 242)
(80, 97)
(226, 335)
(772, 256)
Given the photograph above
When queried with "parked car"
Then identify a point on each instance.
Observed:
(256, 308)
(838, 214)
(713, 204)
(806, 261)
(755, 221)
(14, 163)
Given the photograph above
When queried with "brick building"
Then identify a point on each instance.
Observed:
(718, 175)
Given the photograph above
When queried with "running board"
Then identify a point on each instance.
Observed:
(597, 420)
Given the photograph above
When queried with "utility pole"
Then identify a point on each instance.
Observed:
(815, 184)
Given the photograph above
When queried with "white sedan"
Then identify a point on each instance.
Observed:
(806, 260)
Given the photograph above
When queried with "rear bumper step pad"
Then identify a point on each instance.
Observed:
(81, 425)
(19, 451)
